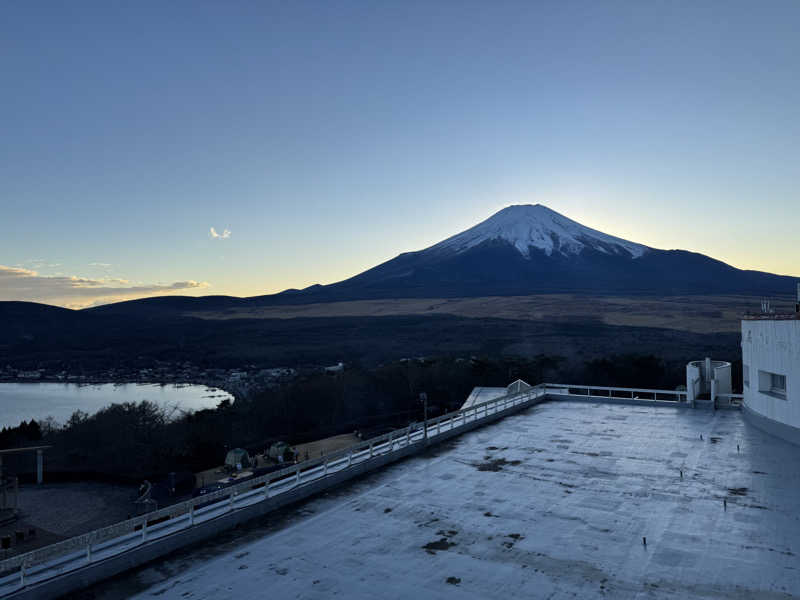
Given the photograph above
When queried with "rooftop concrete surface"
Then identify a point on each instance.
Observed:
(550, 503)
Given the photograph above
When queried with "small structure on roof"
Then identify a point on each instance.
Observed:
(518, 386)
(706, 380)
(482, 394)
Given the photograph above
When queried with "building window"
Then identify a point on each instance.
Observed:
(772, 384)
(746, 375)
(777, 384)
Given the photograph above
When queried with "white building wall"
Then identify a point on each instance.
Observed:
(772, 347)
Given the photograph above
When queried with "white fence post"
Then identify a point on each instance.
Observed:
(349, 458)
(370, 450)
(88, 553)
(191, 514)
(144, 529)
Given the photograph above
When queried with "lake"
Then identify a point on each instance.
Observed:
(26, 401)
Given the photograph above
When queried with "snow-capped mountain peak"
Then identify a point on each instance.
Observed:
(535, 226)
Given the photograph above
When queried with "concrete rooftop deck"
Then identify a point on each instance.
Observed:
(550, 503)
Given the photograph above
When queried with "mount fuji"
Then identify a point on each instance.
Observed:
(531, 249)
(520, 250)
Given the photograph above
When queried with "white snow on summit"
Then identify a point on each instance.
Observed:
(535, 226)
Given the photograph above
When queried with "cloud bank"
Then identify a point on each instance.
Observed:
(220, 236)
(79, 292)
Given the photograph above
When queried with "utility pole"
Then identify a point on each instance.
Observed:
(423, 397)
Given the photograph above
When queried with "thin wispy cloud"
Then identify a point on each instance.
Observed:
(78, 292)
(39, 263)
(220, 236)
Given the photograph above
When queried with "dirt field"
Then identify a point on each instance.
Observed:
(56, 511)
(326, 446)
(697, 314)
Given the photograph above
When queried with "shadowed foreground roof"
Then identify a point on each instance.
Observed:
(553, 502)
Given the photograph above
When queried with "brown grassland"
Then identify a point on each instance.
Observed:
(696, 314)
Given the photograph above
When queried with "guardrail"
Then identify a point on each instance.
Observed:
(596, 392)
(80, 551)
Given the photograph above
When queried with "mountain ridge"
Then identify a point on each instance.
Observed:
(520, 250)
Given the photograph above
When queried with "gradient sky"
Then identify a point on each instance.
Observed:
(319, 139)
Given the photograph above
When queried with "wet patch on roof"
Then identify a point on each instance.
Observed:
(515, 537)
(438, 545)
(496, 464)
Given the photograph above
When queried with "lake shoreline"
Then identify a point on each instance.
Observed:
(107, 381)
(44, 400)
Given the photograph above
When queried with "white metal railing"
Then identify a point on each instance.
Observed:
(599, 392)
(77, 552)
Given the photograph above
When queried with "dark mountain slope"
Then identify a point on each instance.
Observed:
(520, 250)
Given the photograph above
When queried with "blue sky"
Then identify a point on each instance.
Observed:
(328, 137)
